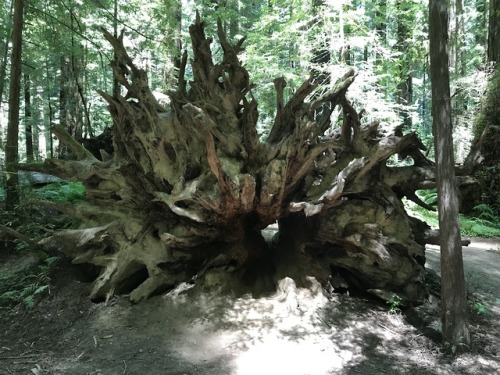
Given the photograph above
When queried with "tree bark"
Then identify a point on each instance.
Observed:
(482, 160)
(453, 290)
(116, 85)
(494, 31)
(12, 146)
(28, 120)
(404, 94)
(3, 64)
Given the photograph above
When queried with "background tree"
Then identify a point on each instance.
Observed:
(282, 40)
(483, 199)
(6, 36)
(453, 290)
(11, 154)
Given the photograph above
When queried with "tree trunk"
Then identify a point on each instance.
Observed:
(12, 146)
(189, 188)
(174, 9)
(453, 290)
(3, 63)
(404, 95)
(494, 31)
(70, 105)
(28, 120)
(116, 85)
(483, 157)
(50, 113)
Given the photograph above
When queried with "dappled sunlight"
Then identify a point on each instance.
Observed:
(284, 333)
(296, 330)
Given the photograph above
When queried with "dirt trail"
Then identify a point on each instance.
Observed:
(295, 331)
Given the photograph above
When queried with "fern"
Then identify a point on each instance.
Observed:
(486, 212)
(428, 196)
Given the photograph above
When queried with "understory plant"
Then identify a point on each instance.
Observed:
(484, 224)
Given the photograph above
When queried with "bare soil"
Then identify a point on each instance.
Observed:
(294, 331)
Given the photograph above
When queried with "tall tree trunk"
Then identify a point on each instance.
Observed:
(494, 32)
(28, 120)
(460, 35)
(12, 147)
(174, 9)
(405, 82)
(86, 126)
(63, 99)
(459, 104)
(3, 63)
(379, 20)
(480, 29)
(48, 136)
(453, 290)
(234, 23)
(116, 85)
(38, 119)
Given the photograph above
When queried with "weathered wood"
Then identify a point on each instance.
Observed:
(188, 188)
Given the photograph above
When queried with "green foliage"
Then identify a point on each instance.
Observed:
(384, 41)
(487, 225)
(476, 227)
(429, 196)
(478, 307)
(24, 285)
(395, 304)
(486, 212)
(66, 192)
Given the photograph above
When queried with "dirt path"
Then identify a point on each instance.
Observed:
(296, 331)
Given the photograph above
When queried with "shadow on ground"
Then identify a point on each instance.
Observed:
(294, 331)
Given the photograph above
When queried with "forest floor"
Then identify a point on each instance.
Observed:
(295, 331)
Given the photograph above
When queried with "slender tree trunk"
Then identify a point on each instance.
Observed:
(479, 29)
(3, 68)
(12, 147)
(38, 118)
(404, 94)
(87, 127)
(380, 16)
(234, 24)
(48, 135)
(174, 44)
(116, 85)
(460, 32)
(3, 64)
(28, 120)
(63, 98)
(453, 291)
(494, 32)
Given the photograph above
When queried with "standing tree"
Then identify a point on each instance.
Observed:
(482, 161)
(12, 147)
(494, 32)
(5, 55)
(453, 290)
(28, 121)
(404, 94)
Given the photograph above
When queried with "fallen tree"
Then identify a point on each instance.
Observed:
(189, 188)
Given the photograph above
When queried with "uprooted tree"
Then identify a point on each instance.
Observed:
(189, 188)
